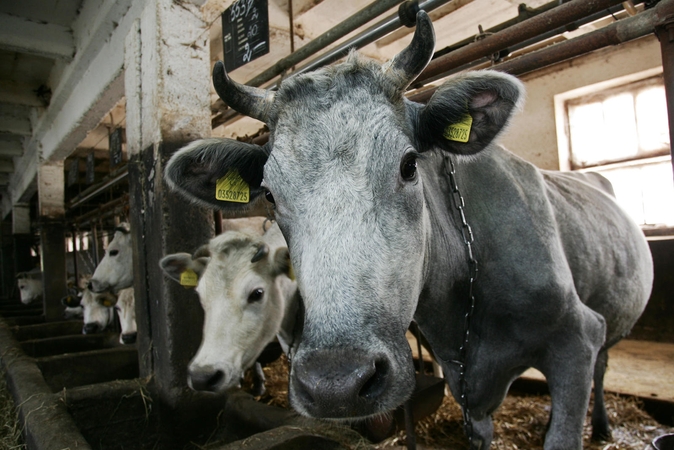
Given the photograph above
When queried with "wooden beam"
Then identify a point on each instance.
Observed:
(6, 166)
(11, 147)
(49, 40)
(19, 94)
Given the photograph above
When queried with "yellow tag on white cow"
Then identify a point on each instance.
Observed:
(460, 131)
(107, 303)
(232, 188)
(189, 278)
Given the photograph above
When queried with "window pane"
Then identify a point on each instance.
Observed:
(645, 191)
(620, 140)
(651, 110)
(586, 123)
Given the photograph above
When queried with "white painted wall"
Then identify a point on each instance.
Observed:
(532, 134)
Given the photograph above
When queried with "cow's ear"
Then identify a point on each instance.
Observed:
(218, 173)
(281, 262)
(467, 113)
(71, 301)
(174, 265)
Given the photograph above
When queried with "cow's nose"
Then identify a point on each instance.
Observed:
(90, 328)
(339, 383)
(90, 286)
(205, 379)
(129, 338)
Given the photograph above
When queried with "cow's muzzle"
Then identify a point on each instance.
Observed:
(340, 383)
(129, 338)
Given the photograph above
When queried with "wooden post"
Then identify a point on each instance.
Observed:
(167, 82)
(50, 182)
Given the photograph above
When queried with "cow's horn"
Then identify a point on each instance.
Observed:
(248, 100)
(409, 63)
(262, 251)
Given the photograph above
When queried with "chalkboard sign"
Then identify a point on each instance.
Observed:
(91, 176)
(115, 144)
(245, 32)
(74, 172)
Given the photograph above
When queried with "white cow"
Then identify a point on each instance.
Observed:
(248, 299)
(115, 274)
(98, 310)
(115, 271)
(126, 311)
(30, 285)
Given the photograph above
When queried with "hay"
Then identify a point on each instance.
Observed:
(10, 432)
(519, 423)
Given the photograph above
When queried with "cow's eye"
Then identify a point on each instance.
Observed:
(114, 252)
(268, 196)
(256, 295)
(408, 167)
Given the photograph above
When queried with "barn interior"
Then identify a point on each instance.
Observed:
(96, 96)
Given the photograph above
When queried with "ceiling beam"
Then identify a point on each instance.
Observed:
(15, 119)
(49, 40)
(4, 179)
(6, 166)
(11, 147)
(19, 94)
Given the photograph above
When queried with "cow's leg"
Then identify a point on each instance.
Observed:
(483, 433)
(258, 380)
(600, 426)
(568, 368)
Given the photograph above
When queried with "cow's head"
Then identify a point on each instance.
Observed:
(115, 271)
(242, 300)
(341, 170)
(98, 311)
(125, 306)
(30, 286)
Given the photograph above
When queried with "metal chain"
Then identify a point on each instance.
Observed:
(468, 239)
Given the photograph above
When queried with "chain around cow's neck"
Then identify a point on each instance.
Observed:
(467, 234)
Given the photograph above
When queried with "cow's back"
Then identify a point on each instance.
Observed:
(605, 249)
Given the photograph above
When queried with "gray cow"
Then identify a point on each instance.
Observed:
(359, 179)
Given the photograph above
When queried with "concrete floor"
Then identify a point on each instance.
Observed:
(641, 368)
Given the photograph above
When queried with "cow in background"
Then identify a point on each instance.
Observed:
(248, 299)
(30, 285)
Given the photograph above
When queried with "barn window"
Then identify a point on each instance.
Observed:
(621, 131)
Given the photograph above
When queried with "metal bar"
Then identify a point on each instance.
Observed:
(665, 33)
(104, 208)
(368, 36)
(360, 18)
(527, 29)
(97, 189)
(619, 32)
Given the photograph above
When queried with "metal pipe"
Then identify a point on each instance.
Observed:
(95, 190)
(358, 19)
(368, 36)
(616, 33)
(554, 18)
(665, 33)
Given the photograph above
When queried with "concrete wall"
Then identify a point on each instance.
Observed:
(532, 133)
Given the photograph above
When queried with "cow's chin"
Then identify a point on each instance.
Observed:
(336, 392)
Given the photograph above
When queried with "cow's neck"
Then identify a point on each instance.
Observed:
(444, 298)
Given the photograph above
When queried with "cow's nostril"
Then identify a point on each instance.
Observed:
(90, 328)
(129, 338)
(374, 386)
(205, 380)
(340, 383)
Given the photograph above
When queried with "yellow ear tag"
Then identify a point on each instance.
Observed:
(291, 272)
(107, 303)
(189, 278)
(460, 131)
(232, 188)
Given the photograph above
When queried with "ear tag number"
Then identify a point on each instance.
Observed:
(232, 188)
(189, 278)
(459, 131)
